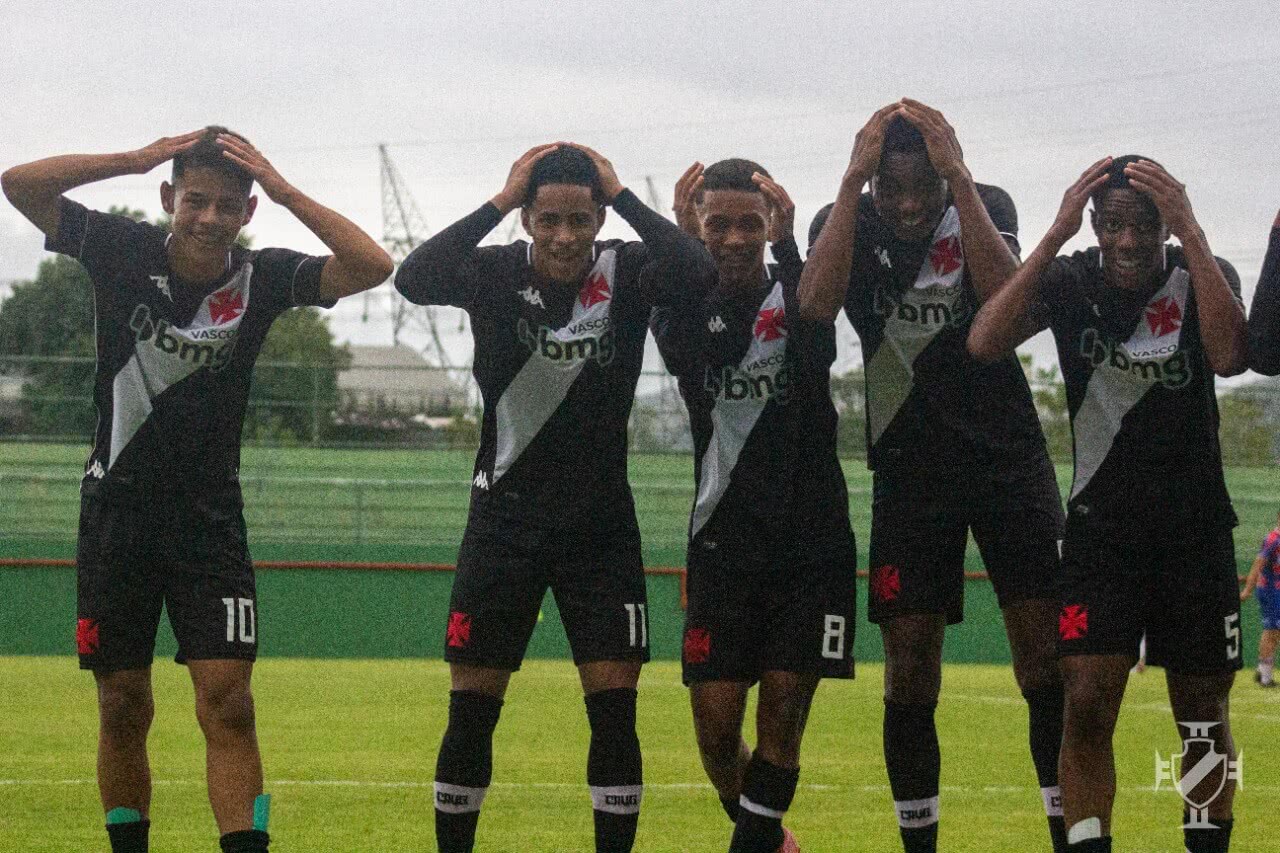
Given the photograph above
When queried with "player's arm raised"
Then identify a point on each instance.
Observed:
(1005, 319)
(34, 188)
(1222, 321)
(685, 204)
(1264, 313)
(825, 279)
(782, 226)
(988, 256)
(358, 262)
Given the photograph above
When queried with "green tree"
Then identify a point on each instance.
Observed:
(848, 392)
(1049, 394)
(295, 383)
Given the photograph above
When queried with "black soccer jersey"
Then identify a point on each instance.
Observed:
(755, 378)
(1141, 397)
(1264, 314)
(557, 365)
(930, 403)
(175, 360)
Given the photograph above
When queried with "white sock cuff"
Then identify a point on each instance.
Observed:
(617, 799)
(756, 808)
(915, 814)
(1052, 801)
(1085, 830)
(458, 799)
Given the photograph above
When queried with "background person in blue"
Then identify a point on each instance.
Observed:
(1264, 581)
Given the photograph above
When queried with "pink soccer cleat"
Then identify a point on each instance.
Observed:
(789, 843)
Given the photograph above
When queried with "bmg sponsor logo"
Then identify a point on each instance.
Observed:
(754, 381)
(190, 345)
(584, 347)
(1166, 365)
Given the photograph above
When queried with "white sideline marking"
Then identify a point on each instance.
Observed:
(1148, 707)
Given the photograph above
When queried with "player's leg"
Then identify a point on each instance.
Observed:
(718, 711)
(493, 608)
(1205, 699)
(1268, 641)
(600, 590)
(1086, 768)
(1017, 524)
(125, 712)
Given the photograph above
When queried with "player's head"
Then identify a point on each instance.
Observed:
(909, 194)
(209, 197)
(734, 215)
(563, 212)
(1129, 229)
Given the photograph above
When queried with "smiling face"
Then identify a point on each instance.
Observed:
(1131, 237)
(909, 196)
(208, 208)
(562, 221)
(735, 228)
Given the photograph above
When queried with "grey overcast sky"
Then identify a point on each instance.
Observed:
(1036, 91)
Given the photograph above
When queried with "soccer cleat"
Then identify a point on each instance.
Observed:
(1265, 685)
(789, 843)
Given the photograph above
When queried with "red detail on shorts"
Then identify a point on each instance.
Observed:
(946, 255)
(595, 289)
(87, 636)
(697, 645)
(886, 583)
(1074, 622)
(1164, 316)
(458, 634)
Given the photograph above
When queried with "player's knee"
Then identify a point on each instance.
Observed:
(1091, 711)
(226, 711)
(1201, 700)
(719, 746)
(125, 709)
(912, 679)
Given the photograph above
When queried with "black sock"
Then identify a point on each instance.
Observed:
(245, 841)
(1216, 840)
(464, 768)
(914, 762)
(129, 837)
(730, 808)
(1093, 845)
(767, 792)
(615, 772)
(1045, 707)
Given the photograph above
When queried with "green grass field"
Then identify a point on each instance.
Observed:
(350, 749)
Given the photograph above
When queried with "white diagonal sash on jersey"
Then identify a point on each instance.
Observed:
(151, 370)
(542, 384)
(891, 371)
(733, 420)
(1112, 393)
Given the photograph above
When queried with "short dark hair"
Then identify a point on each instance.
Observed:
(565, 165)
(207, 154)
(731, 174)
(1118, 180)
(902, 135)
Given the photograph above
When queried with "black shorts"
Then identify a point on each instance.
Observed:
(136, 555)
(502, 577)
(1181, 591)
(920, 523)
(750, 614)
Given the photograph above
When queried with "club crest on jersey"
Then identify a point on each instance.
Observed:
(946, 255)
(771, 324)
(1153, 353)
(1164, 316)
(595, 290)
(226, 305)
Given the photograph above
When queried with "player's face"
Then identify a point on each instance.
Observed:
(208, 208)
(1131, 237)
(735, 228)
(562, 222)
(909, 195)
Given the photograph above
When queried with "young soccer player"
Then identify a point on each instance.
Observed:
(179, 320)
(955, 446)
(559, 326)
(1141, 327)
(1264, 577)
(1264, 313)
(771, 563)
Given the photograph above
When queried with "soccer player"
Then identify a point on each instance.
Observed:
(1264, 313)
(771, 562)
(1264, 576)
(179, 320)
(955, 446)
(1141, 328)
(559, 327)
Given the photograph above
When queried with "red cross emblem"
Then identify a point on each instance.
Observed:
(946, 255)
(87, 636)
(225, 306)
(1164, 316)
(458, 634)
(595, 289)
(886, 583)
(697, 645)
(771, 324)
(1074, 622)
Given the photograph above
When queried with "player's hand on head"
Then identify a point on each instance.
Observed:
(940, 139)
(609, 183)
(1169, 196)
(868, 145)
(243, 154)
(1071, 213)
(685, 205)
(782, 210)
(517, 186)
(164, 149)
